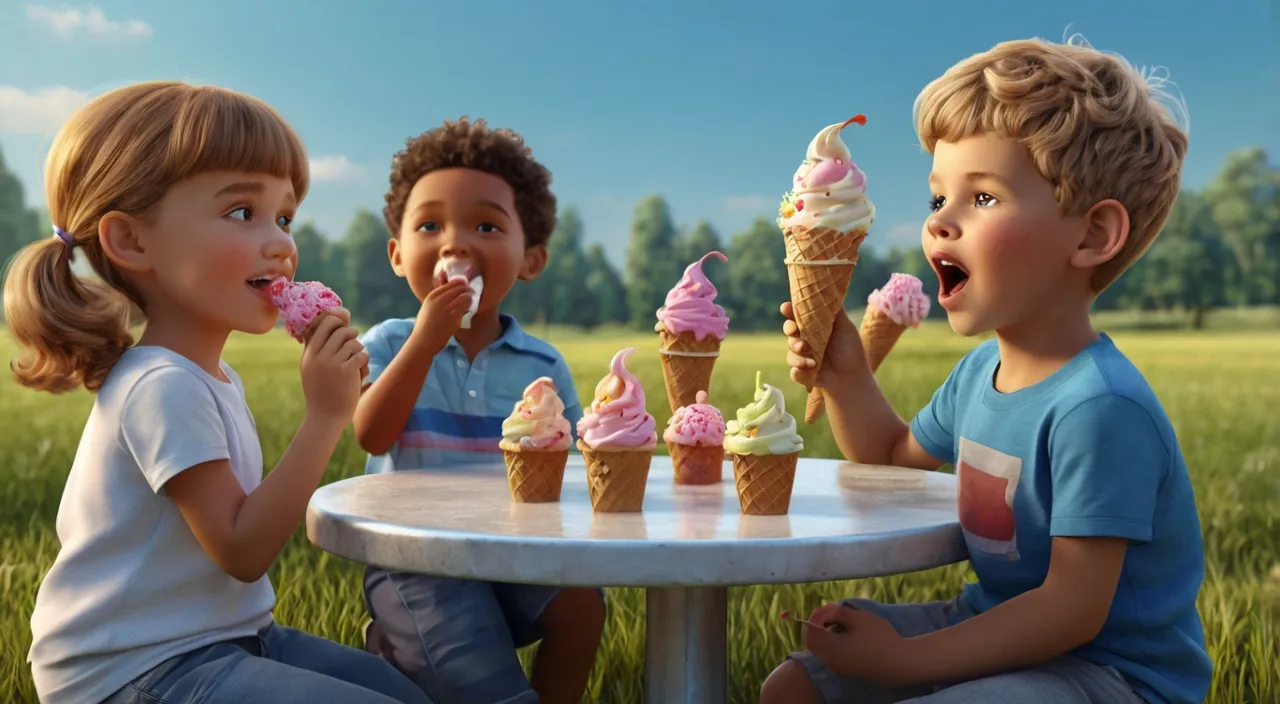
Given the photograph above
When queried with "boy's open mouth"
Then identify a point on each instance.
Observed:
(952, 275)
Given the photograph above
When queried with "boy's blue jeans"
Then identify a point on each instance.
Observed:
(1067, 680)
(280, 665)
(457, 638)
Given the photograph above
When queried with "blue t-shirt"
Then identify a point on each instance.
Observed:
(1088, 452)
(458, 416)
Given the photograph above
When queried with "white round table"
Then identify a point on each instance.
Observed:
(688, 545)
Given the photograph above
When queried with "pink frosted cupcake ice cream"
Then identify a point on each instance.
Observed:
(695, 439)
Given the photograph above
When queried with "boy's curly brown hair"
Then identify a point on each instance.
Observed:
(473, 145)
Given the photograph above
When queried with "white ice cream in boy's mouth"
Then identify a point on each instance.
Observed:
(450, 268)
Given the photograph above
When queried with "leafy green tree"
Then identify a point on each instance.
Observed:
(313, 255)
(376, 293)
(756, 266)
(606, 292)
(1245, 199)
(652, 267)
(566, 272)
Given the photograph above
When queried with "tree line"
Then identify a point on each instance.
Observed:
(1220, 247)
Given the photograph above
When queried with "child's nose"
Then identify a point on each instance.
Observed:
(455, 246)
(942, 229)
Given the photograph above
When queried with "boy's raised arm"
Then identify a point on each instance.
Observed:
(866, 427)
(388, 400)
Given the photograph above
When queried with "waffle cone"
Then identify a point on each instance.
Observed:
(764, 483)
(535, 476)
(697, 464)
(818, 286)
(686, 374)
(616, 478)
(879, 334)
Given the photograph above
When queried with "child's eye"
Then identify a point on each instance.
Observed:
(246, 214)
(936, 203)
(429, 226)
(284, 221)
(984, 200)
(487, 227)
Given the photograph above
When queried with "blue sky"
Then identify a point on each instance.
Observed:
(711, 104)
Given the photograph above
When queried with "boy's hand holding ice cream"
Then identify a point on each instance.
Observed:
(535, 441)
(452, 269)
(900, 304)
(765, 446)
(691, 327)
(617, 437)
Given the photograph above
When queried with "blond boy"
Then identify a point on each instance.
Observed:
(1054, 168)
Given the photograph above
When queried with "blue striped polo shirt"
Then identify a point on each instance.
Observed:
(458, 416)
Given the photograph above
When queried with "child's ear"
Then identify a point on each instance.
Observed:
(1106, 231)
(393, 254)
(535, 260)
(120, 237)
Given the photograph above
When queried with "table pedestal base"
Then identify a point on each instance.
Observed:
(686, 645)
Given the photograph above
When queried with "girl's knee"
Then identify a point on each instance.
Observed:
(789, 684)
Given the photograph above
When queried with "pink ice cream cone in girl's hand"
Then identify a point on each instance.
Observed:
(301, 302)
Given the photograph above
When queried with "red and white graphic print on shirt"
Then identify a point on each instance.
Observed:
(988, 482)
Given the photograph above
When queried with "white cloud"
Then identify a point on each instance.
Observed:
(68, 22)
(335, 168)
(41, 112)
(750, 204)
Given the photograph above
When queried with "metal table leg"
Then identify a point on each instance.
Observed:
(686, 645)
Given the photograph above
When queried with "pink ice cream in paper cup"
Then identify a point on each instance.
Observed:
(617, 437)
(691, 326)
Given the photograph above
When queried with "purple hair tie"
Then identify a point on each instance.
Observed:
(66, 237)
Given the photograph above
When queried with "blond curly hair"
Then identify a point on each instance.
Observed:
(1097, 128)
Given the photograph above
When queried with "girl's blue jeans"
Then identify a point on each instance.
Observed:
(280, 665)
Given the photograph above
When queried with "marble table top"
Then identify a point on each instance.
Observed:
(846, 521)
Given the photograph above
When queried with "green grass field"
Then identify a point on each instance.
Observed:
(1219, 387)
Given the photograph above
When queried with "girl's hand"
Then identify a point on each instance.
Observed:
(334, 364)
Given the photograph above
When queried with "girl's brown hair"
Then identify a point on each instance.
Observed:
(121, 153)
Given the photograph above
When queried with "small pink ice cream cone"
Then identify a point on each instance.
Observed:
(695, 439)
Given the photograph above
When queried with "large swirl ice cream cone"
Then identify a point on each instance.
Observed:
(765, 448)
(535, 442)
(690, 329)
(900, 304)
(617, 438)
(824, 219)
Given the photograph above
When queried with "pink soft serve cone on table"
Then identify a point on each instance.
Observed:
(617, 437)
(691, 327)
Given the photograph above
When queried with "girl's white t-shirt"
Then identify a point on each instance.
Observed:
(131, 587)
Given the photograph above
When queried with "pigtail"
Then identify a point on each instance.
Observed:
(71, 330)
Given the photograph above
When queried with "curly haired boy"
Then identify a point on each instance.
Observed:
(437, 394)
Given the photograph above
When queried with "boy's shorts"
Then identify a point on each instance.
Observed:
(1065, 680)
(457, 638)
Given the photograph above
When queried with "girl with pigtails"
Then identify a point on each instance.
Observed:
(181, 198)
